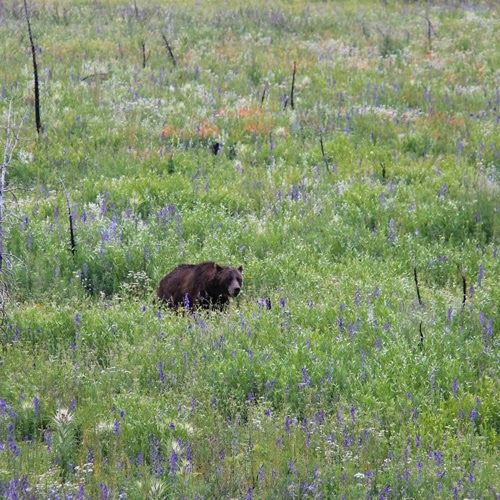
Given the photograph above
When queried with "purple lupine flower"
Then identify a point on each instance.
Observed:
(352, 411)
(278, 442)
(11, 442)
(489, 328)
(319, 417)
(156, 457)
(376, 292)
(480, 276)
(47, 439)
(72, 406)
(282, 302)
(391, 231)
(104, 491)
(104, 207)
(357, 297)
(340, 324)
(161, 373)
(265, 303)
(288, 424)
(449, 314)
(482, 318)
(81, 492)
(267, 412)
(417, 441)
(187, 303)
(78, 320)
(36, 406)
(306, 380)
(173, 462)
(291, 467)
(116, 428)
(442, 191)
(261, 474)
(139, 459)
(249, 495)
(122, 413)
(454, 387)
(189, 458)
(473, 415)
(438, 457)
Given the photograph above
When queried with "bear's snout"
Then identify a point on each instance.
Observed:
(236, 291)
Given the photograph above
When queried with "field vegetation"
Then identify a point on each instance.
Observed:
(361, 359)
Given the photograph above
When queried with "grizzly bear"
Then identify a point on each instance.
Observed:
(205, 285)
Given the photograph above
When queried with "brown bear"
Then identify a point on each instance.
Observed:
(205, 285)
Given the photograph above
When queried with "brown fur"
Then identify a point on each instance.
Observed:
(205, 285)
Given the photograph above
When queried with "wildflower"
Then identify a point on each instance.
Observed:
(438, 457)
(63, 416)
(36, 406)
(265, 303)
(261, 474)
(450, 314)
(186, 301)
(11, 442)
(156, 457)
(357, 297)
(480, 275)
(489, 328)
(116, 428)
(104, 491)
(352, 411)
(454, 387)
(161, 373)
(391, 231)
(173, 462)
(473, 415)
(340, 324)
(78, 320)
(72, 405)
(288, 424)
(306, 380)
(319, 417)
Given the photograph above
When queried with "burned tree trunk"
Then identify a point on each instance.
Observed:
(38, 120)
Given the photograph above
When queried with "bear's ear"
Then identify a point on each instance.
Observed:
(240, 269)
(218, 268)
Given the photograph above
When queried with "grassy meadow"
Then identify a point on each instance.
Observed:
(327, 377)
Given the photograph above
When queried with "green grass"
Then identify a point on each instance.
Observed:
(332, 391)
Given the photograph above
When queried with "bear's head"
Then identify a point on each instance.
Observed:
(230, 279)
